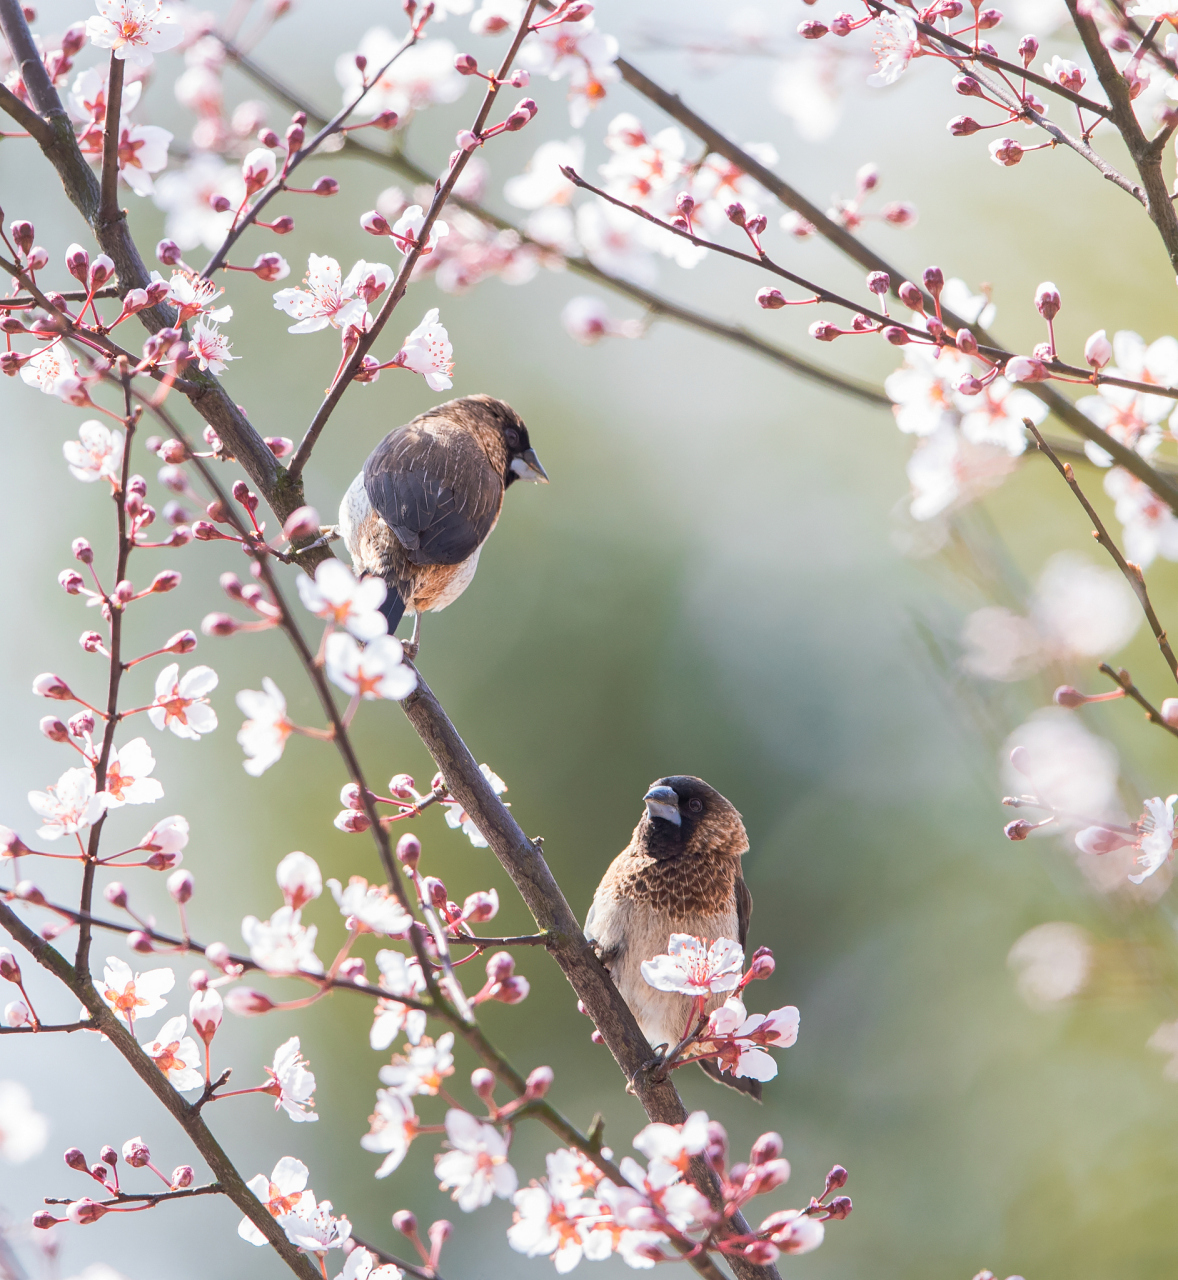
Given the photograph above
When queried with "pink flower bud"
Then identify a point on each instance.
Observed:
(824, 331)
(899, 213)
(164, 860)
(27, 891)
(219, 624)
(55, 730)
(835, 1179)
(770, 299)
(988, 19)
(1098, 351)
(1099, 840)
(762, 1253)
(842, 24)
(181, 886)
(352, 822)
(435, 890)
(350, 796)
(467, 140)
(108, 1155)
(466, 65)
(963, 126)
(911, 296)
(520, 79)
(439, 1232)
(48, 685)
(896, 336)
(9, 968)
(352, 969)
(386, 120)
(1028, 47)
(1024, 369)
(480, 907)
(169, 253)
(22, 232)
(839, 1207)
(1067, 696)
(166, 580)
(136, 1153)
(500, 966)
(966, 342)
(270, 267)
(375, 223)
(303, 523)
(1006, 151)
(767, 1147)
(71, 581)
(323, 186)
(1169, 710)
(85, 1211)
(405, 1222)
(38, 259)
(139, 942)
(812, 29)
(116, 894)
(482, 1082)
(762, 965)
(409, 851)
(247, 1003)
(43, 1220)
(879, 282)
(768, 1175)
(735, 213)
(16, 1014)
(77, 262)
(75, 1158)
(934, 280)
(101, 270)
(1019, 829)
(1047, 300)
(539, 1081)
(968, 385)
(182, 1177)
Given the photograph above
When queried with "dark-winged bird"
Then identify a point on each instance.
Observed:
(680, 873)
(427, 499)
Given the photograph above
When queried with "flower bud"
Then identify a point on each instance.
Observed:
(409, 851)
(247, 1003)
(38, 259)
(467, 140)
(539, 1081)
(9, 968)
(270, 267)
(1169, 710)
(352, 969)
(896, 336)
(968, 385)
(842, 24)
(167, 580)
(323, 186)
(168, 252)
(899, 213)
(101, 270)
(839, 1207)
(1098, 351)
(375, 223)
(1047, 300)
(351, 822)
(85, 1211)
(879, 282)
(482, 1082)
(405, 1222)
(71, 581)
(735, 213)
(75, 1158)
(762, 1253)
(139, 942)
(116, 894)
(762, 965)
(967, 344)
(770, 299)
(963, 126)
(500, 966)
(1006, 151)
(136, 1153)
(350, 796)
(1019, 829)
(439, 1232)
(520, 78)
(435, 890)
(22, 233)
(967, 86)
(43, 1220)
(182, 1177)
(303, 523)
(835, 1179)
(77, 262)
(48, 685)
(55, 730)
(16, 1014)
(27, 891)
(466, 65)
(988, 19)
(1028, 47)
(824, 331)
(812, 29)
(480, 907)
(911, 296)
(767, 1147)
(1024, 369)
(181, 886)
(934, 280)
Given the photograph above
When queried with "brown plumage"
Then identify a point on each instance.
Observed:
(429, 496)
(680, 873)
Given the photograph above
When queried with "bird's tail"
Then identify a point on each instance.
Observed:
(740, 1083)
(393, 609)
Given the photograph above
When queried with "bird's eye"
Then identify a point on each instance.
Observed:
(512, 437)
(695, 805)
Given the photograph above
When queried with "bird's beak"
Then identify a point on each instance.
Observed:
(527, 467)
(662, 802)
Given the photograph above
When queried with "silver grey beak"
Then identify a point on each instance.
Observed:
(527, 467)
(662, 802)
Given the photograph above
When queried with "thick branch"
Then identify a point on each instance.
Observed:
(25, 116)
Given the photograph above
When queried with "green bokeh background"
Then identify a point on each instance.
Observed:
(710, 585)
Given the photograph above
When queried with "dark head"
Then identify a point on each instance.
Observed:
(684, 816)
(501, 432)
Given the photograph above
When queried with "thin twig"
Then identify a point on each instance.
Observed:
(1152, 714)
(153, 1197)
(1132, 573)
(108, 206)
(42, 1028)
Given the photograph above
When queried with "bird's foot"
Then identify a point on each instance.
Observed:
(329, 533)
(652, 1068)
(410, 648)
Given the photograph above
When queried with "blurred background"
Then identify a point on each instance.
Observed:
(720, 580)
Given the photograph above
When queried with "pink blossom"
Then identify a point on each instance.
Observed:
(1065, 73)
(749, 1035)
(946, 471)
(692, 968)
(282, 944)
(134, 995)
(23, 1130)
(283, 1192)
(317, 1230)
(127, 776)
(193, 295)
(1053, 962)
(337, 596)
(294, 1082)
(394, 1126)
(406, 231)
(211, 347)
(894, 44)
(299, 879)
(263, 735)
(578, 52)
(181, 703)
(427, 351)
(376, 671)
(69, 805)
(423, 1069)
(176, 1055)
(475, 1168)
(52, 370)
(372, 908)
(420, 77)
(143, 151)
(133, 30)
(97, 453)
(399, 976)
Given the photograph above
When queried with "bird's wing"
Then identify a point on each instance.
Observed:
(744, 908)
(436, 491)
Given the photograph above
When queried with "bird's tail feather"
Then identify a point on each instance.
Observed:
(393, 609)
(740, 1083)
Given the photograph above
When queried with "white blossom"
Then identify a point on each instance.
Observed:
(475, 1168)
(337, 596)
(295, 1082)
(176, 1055)
(97, 453)
(69, 805)
(134, 995)
(263, 735)
(284, 1191)
(694, 969)
(23, 1130)
(376, 671)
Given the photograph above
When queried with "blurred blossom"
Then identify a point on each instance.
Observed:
(807, 90)
(23, 1130)
(1053, 963)
(946, 471)
(1164, 1040)
(1078, 609)
(184, 195)
(1066, 767)
(542, 182)
(1150, 528)
(421, 76)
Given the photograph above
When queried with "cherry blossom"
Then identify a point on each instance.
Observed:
(282, 944)
(328, 299)
(423, 1069)
(294, 1081)
(611, 241)
(406, 231)
(674, 1144)
(542, 182)
(427, 351)
(376, 671)
(133, 30)
(87, 101)
(475, 1167)
(169, 835)
(394, 1126)
(338, 597)
(894, 44)
(193, 295)
(1150, 527)
(745, 1055)
(578, 52)
(995, 415)
(23, 1130)
(181, 703)
(300, 879)
(947, 471)
(808, 90)
(456, 815)
(185, 194)
(493, 17)
(283, 1192)
(923, 389)
(420, 77)
(1157, 844)
(134, 995)
(210, 347)
(372, 908)
(560, 1228)
(1067, 768)
(400, 976)
(361, 1265)
(127, 776)
(317, 1230)
(69, 805)
(794, 1232)
(52, 370)
(263, 735)
(692, 968)
(97, 453)
(143, 151)
(176, 1055)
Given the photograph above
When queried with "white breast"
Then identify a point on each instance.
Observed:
(458, 583)
(353, 510)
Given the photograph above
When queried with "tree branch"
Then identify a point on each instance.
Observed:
(1152, 714)
(26, 117)
(108, 203)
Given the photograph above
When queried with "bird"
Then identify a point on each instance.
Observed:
(427, 499)
(680, 873)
